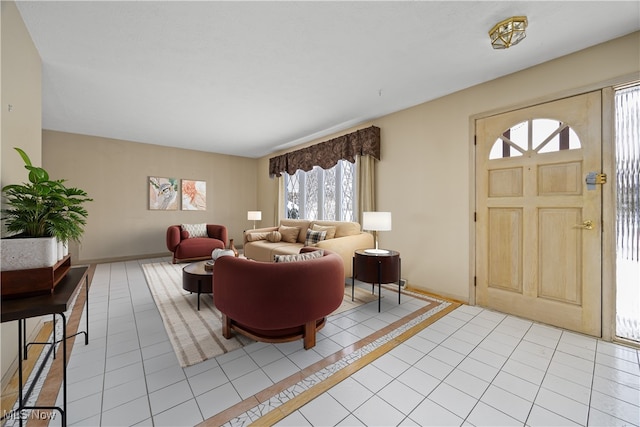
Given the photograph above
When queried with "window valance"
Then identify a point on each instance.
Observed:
(363, 142)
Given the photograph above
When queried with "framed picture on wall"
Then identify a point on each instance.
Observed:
(194, 195)
(163, 193)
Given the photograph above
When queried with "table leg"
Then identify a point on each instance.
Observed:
(20, 351)
(86, 305)
(353, 277)
(379, 284)
(24, 338)
(199, 290)
(54, 336)
(64, 369)
(399, 278)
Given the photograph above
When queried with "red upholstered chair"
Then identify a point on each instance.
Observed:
(277, 302)
(185, 248)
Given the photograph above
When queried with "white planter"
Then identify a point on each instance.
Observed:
(26, 253)
(60, 249)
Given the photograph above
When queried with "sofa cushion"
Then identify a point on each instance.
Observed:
(330, 229)
(299, 257)
(289, 234)
(274, 236)
(313, 237)
(195, 230)
(302, 224)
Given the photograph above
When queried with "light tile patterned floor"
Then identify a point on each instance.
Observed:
(472, 367)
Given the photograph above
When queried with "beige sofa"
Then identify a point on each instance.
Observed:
(348, 237)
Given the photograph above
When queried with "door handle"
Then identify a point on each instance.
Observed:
(587, 225)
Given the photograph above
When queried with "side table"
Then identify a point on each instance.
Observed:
(377, 268)
(56, 303)
(196, 278)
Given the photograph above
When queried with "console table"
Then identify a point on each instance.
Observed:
(57, 302)
(376, 267)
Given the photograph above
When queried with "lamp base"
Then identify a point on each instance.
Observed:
(377, 251)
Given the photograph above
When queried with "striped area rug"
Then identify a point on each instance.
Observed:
(197, 335)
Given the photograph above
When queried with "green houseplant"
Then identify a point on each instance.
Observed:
(42, 207)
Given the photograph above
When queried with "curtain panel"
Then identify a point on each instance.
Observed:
(363, 142)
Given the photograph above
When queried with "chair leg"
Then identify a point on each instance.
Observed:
(309, 335)
(226, 326)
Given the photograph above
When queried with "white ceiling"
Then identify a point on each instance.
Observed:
(248, 78)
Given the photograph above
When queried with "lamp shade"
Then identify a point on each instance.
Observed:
(376, 221)
(254, 215)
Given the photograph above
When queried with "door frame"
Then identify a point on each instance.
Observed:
(608, 279)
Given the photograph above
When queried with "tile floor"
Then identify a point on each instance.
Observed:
(472, 367)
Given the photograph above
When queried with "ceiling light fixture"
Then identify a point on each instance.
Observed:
(509, 32)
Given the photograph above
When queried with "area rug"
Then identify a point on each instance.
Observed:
(197, 335)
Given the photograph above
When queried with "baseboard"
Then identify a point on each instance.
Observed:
(122, 259)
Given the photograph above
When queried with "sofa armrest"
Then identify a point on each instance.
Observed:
(346, 246)
(173, 237)
(217, 232)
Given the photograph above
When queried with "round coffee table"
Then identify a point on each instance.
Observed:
(196, 279)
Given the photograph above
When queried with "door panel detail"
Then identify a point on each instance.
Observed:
(505, 182)
(560, 179)
(505, 249)
(560, 269)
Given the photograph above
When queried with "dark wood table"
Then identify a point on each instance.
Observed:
(57, 302)
(195, 278)
(376, 267)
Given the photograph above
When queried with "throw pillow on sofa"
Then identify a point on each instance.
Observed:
(330, 229)
(195, 230)
(289, 234)
(274, 236)
(298, 257)
(313, 237)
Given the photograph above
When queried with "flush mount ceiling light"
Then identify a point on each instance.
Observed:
(509, 32)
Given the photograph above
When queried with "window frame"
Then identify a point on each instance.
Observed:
(339, 213)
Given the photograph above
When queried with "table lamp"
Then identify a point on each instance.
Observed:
(376, 221)
(255, 216)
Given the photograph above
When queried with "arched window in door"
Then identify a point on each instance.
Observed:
(535, 136)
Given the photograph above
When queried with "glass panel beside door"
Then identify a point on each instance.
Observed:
(628, 213)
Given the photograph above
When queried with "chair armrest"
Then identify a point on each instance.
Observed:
(173, 237)
(218, 232)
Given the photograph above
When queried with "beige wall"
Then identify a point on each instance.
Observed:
(115, 174)
(21, 87)
(425, 175)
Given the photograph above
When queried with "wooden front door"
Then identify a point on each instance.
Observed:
(538, 221)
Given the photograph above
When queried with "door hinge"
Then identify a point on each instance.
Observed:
(475, 281)
(475, 217)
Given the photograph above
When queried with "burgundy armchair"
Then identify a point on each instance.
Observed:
(185, 248)
(277, 302)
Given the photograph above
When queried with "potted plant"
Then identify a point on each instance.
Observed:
(41, 208)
